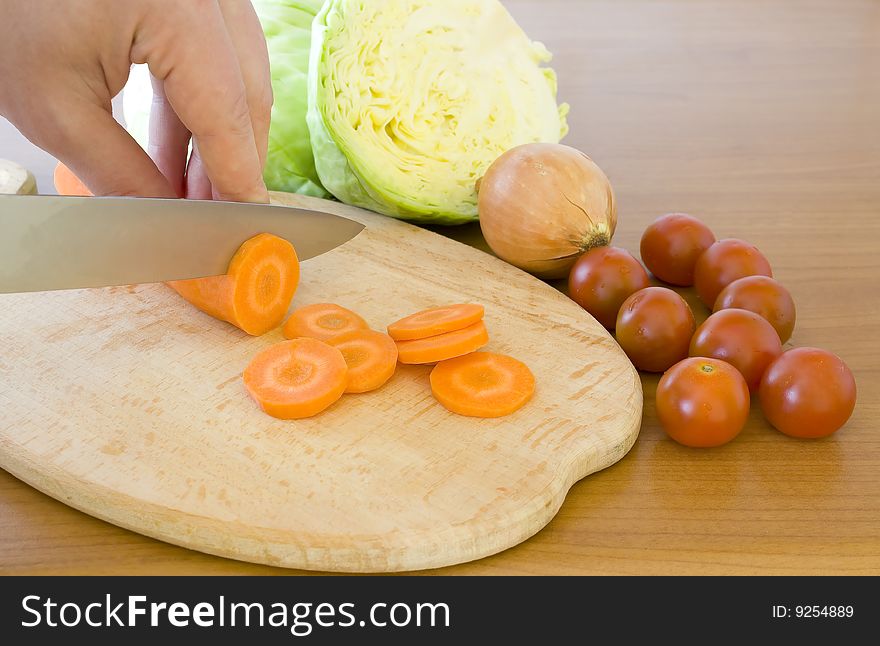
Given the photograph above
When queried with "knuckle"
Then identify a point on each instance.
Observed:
(261, 103)
(240, 114)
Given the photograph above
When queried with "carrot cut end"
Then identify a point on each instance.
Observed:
(265, 272)
(482, 384)
(255, 292)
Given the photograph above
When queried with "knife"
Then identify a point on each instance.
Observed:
(52, 242)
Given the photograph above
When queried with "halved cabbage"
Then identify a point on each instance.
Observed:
(410, 101)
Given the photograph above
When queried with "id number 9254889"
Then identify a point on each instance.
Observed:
(813, 612)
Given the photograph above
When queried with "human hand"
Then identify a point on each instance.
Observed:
(61, 64)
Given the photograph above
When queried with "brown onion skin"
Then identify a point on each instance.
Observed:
(543, 205)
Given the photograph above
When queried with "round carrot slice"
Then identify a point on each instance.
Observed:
(296, 379)
(482, 384)
(322, 321)
(371, 357)
(443, 346)
(437, 320)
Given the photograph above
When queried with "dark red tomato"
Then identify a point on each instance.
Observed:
(654, 328)
(808, 392)
(742, 339)
(763, 296)
(702, 402)
(671, 245)
(602, 279)
(724, 262)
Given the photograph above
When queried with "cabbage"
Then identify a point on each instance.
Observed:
(410, 101)
(290, 165)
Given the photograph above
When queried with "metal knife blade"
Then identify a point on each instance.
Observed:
(52, 242)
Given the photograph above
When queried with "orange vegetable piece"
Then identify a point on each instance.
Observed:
(322, 321)
(434, 321)
(482, 384)
(443, 346)
(296, 379)
(255, 293)
(371, 358)
(66, 183)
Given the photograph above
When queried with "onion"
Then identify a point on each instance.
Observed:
(543, 205)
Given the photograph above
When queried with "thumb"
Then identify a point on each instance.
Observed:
(104, 156)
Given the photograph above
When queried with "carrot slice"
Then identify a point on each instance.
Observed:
(434, 321)
(255, 293)
(296, 379)
(322, 321)
(482, 384)
(443, 346)
(66, 183)
(371, 357)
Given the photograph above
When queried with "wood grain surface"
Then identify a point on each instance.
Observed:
(128, 404)
(760, 116)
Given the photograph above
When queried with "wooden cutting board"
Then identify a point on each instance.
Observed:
(128, 404)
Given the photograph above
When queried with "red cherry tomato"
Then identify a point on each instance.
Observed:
(742, 339)
(763, 296)
(702, 402)
(808, 392)
(654, 328)
(602, 279)
(671, 245)
(724, 262)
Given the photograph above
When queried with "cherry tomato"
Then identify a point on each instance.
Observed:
(763, 296)
(654, 328)
(671, 245)
(724, 262)
(602, 279)
(702, 402)
(742, 339)
(808, 392)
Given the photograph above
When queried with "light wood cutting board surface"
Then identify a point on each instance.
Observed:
(128, 403)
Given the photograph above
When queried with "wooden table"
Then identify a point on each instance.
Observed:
(761, 116)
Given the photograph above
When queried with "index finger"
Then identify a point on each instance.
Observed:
(204, 85)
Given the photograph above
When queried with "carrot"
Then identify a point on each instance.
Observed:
(482, 384)
(322, 321)
(371, 357)
(255, 292)
(296, 379)
(443, 346)
(437, 320)
(66, 183)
